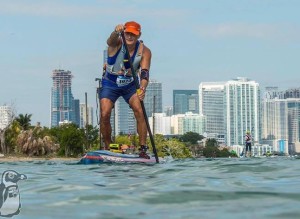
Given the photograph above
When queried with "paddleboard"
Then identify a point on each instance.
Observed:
(104, 156)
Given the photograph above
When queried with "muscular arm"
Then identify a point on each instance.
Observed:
(145, 64)
(114, 41)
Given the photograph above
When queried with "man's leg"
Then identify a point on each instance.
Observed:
(105, 126)
(139, 116)
(141, 124)
(250, 149)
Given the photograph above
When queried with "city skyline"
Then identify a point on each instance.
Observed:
(203, 41)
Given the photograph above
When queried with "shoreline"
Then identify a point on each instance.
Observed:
(16, 158)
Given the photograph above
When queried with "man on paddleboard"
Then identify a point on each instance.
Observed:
(118, 81)
(248, 142)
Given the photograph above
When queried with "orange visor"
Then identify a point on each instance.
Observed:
(132, 27)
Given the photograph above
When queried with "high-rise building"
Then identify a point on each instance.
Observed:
(275, 123)
(5, 116)
(193, 123)
(86, 114)
(76, 108)
(272, 93)
(185, 101)
(188, 122)
(160, 123)
(294, 124)
(125, 122)
(153, 98)
(62, 100)
(168, 110)
(280, 120)
(212, 105)
(123, 119)
(292, 93)
(242, 98)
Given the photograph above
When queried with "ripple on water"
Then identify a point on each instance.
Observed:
(192, 188)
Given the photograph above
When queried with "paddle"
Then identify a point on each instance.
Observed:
(137, 86)
(242, 154)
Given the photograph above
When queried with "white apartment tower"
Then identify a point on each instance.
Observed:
(86, 114)
(212, 105)
(280, 120)
(242, 111)
(275, 123)
(160, 123)
(5, 116)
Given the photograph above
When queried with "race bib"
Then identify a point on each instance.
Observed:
(123, 80)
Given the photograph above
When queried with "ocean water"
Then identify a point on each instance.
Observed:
(190, 188)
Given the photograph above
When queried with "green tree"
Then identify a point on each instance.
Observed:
(210, 151)
(224, 153)
(70, 138)
(171, 147)
(92, 137)
(11, 135)
(24, 121)
(123, 139)
(211, 148)
(211, 142)
(191, 137)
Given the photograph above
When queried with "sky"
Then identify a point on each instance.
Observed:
(191, 41)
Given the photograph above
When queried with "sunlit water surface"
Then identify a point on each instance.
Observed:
(198, 188)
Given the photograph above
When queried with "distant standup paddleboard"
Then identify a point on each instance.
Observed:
(103, 156)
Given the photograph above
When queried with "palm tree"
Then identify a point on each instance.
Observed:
(24, 121)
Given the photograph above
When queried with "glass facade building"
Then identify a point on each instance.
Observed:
(275, 122)
(293, 123)
(185, 101)
(62, 100)
(281, 120)
(125, 122)
(153, 98)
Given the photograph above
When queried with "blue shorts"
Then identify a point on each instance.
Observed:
(111, 91)
(248, 146)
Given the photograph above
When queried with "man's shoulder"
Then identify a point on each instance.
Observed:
(146, 50)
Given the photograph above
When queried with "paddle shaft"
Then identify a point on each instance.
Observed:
(137, 86)
(242, 154)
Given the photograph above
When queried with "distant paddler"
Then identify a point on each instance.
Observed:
(248, 142)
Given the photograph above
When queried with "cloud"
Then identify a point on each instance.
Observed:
(255, 31)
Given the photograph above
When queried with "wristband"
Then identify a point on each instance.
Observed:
(145, 74)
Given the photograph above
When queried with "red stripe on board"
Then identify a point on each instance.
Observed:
(93, 157)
